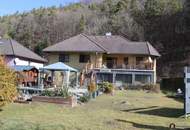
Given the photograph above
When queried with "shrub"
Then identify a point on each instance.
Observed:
(125, 86)
(48, 93)
(135, 87)
(152, 87)
(107, 87)
(7, 84)
(84, 98)
(63, 92)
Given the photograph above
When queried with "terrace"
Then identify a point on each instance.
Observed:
(125, 69)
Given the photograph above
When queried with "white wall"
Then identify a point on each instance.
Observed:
(17, 61)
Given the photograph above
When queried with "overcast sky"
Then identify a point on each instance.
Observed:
(11, 6)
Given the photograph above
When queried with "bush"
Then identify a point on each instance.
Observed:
(135, 87)
(107, 87)
(7, 84)
(47, 93)
(152, 87)
(84, 98)
(63, 92)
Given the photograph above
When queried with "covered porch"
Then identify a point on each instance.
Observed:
(122, 61)
(121, 77)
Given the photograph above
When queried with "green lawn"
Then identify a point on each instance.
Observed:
(127, 110)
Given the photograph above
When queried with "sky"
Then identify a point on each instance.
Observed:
(11, 6)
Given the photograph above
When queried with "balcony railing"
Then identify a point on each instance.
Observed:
(142, 66)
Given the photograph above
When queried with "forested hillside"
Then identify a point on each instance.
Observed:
(164, 23)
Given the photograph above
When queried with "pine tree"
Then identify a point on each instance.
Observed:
(7, 84)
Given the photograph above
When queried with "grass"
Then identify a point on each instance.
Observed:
(127, 110)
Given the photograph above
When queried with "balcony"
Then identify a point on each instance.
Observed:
(123, 67)
(125, 74)
(130, 67)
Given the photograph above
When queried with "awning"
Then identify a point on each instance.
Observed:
(59, 66)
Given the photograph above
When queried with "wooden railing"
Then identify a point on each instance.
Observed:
(149, 66)
(140, 66)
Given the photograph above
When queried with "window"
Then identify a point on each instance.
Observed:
(64, 58)
(143, 79)
(139, 60)
(124, 78)
(84, 58)
(111, 62)
(126, 60)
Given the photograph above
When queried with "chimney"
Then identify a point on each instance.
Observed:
(108, 34)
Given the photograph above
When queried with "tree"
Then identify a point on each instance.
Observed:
(7, 84)
(187, 16)
(153, 8)
(39, 48)
(82, 24)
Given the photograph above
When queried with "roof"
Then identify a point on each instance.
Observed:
(105, 44)
(59, 66)
(22, 68)
(11, 47)
(79, 43)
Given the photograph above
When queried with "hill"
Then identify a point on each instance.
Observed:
(164, 23)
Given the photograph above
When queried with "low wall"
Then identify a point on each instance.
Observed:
(70, 101)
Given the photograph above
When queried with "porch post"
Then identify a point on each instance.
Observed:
(77, 79)
(39, 75)
(113, 80)
(154, 79)
(68, 76)
(133, 79)
(52, 76)
(40, 81)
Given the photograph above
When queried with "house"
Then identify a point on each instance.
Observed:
(16, 54)
(113, 58)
